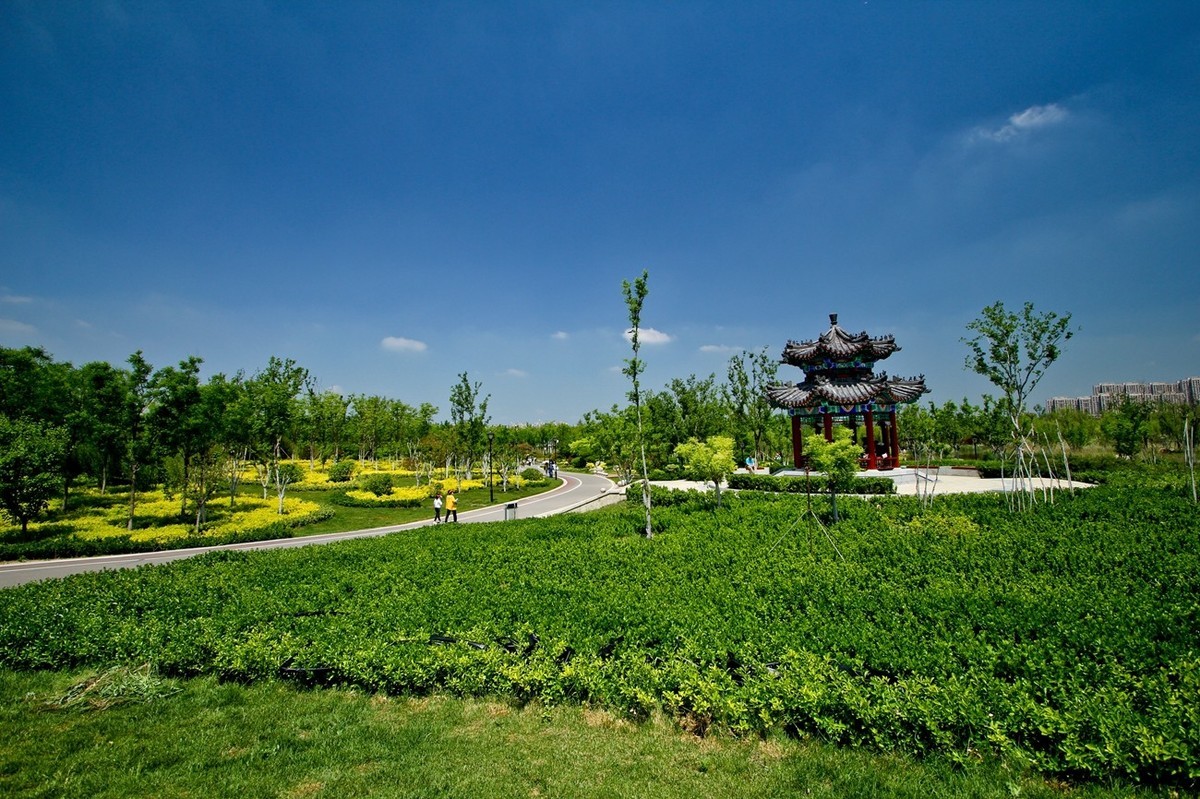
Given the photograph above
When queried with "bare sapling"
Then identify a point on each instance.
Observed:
(1189, 453)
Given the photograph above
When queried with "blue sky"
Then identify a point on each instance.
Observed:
(394, 193)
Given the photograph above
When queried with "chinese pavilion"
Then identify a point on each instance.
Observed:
(840, 384)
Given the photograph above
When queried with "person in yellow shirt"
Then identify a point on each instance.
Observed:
(451, 506)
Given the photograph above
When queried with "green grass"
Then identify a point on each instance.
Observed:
(127, 733)
(55, 534)
(352, 518)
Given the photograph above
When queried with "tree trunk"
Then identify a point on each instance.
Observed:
(133, 470)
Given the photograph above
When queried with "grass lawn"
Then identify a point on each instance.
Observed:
(353, 518)
(95, 523)
(123, 733)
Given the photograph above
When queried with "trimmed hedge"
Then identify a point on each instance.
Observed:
(72, 547)
(344, 500)
(1065, 636)
(815, 484)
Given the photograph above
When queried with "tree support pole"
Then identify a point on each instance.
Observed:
(797, 441)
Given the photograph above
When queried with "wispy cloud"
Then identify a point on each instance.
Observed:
(15, 328)
(400, 344)
(560, 336)
(515, 373)
(1023, 122)
(648, 335)
(13, 299)
(720, 349)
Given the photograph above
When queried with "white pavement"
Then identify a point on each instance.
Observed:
(910, 482)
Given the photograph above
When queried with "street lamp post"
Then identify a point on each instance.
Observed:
(491, 469)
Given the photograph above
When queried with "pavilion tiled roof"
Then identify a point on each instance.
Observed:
(835, 344)
(820, 389)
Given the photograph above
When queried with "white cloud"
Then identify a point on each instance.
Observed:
(648, 335)
(1021, 123)
(15, 328)
(721, 349)
(515, 373)
(13, 299)
(399, 344)
(560, 336)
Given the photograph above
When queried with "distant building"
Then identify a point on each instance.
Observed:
(1109, 395)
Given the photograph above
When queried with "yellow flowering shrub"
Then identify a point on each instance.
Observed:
(156, 518)
(402, 492)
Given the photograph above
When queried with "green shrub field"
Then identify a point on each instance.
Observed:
(1066, 637)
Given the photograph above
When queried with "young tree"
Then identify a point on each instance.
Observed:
(635, 297)
(470, 418)
(837, 459)
(1127, 426)
(31, 456)
(749, 374)
(710, 460)
(1013, 351)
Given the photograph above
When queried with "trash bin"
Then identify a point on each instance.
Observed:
(510, 511)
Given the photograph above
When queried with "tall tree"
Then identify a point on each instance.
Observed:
(101, 399)
(748, 375)
(469, 417)
(138, 443)
(1127, 426)
(1014, 351)
(174, 416)
(32, 385)
(274, 392)
(236, 429)
(635, 297)
(31, 457)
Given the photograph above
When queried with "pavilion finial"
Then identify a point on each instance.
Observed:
(833, 319)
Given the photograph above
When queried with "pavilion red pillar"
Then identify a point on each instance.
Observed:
(797, 442)
(828, 420)
(871, 463)
(895, 448)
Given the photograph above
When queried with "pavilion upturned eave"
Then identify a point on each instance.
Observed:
(820, 392)
(836, 345)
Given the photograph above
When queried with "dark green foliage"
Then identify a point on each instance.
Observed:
(288, 473)
(670, 497)
(379, 484)
(31, 455)
(816, 484)
(1068, 636)
(531, 474)
(340, 472)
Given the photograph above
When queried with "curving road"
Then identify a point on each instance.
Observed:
(577, 489)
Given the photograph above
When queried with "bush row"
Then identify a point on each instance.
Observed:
(1067, 636)
(806, 484)
(65, 545)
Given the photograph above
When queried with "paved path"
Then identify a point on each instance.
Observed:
(577, 489)
(946, 480)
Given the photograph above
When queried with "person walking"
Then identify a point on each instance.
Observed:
(437, 507)
(451, 506)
